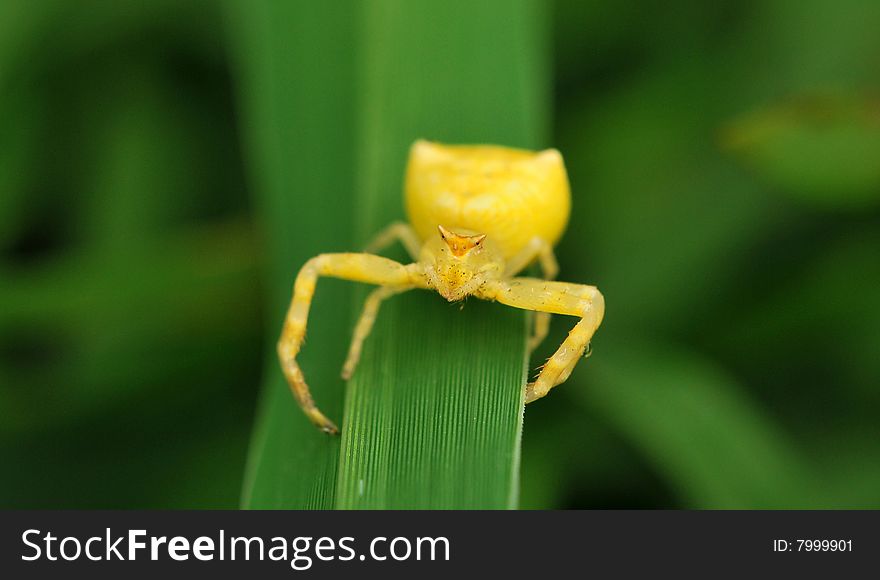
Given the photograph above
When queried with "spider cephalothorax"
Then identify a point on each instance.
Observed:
(496, 210)
(460, 263)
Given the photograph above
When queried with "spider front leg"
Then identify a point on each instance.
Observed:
(365, 325)
(543, 250)
(357, 267)
(396, 231)
(557, 298)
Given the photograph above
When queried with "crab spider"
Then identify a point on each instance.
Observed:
(479, 215)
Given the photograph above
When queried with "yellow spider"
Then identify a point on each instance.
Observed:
(497, 210)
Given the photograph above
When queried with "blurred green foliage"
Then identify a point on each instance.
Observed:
(822, 148)
(130, 303)
(723, 163)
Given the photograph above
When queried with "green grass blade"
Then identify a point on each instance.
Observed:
(295, 80)
(434, 413)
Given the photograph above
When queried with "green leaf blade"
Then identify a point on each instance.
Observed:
(428, 430)
(434, 413)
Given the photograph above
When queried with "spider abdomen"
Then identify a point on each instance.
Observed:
(512, 195)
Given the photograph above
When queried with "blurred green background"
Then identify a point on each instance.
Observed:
(725, 166)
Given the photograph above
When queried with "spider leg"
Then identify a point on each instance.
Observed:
(396, 231)
(542, 250)
(536, 248)
(356, 267)
(365, 325)
(540, 330)
(579, 300)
